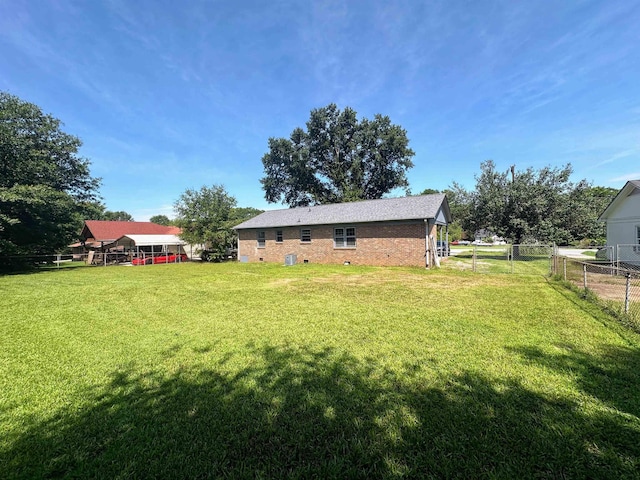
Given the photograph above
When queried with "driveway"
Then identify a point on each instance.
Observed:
(575, 252)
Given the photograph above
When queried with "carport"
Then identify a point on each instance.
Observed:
(149, 245)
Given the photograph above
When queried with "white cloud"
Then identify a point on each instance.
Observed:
(625, 178)
(144, 214)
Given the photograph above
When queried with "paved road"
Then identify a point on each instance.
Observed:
(562, 251)
(575, 252)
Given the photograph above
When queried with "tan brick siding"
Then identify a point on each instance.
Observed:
(383, 244)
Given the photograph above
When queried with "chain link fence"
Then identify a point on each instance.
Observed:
(628, 257)
(610, 281)
(522, 259)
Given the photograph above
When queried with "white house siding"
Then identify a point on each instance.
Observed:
(623, 221)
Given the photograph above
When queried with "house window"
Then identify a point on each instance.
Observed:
(305, 235)
(344, 237)
(278, 236)
(262, 239)
(638, 235)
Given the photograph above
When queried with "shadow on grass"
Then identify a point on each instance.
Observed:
(302, 413)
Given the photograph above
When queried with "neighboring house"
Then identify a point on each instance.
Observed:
(487, 236)
(622, 217)
(391, 231)
(100, 234)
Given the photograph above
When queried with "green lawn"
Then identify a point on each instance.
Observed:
(497, 259)
(266, 371)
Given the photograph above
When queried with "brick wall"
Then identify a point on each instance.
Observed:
(383, 244)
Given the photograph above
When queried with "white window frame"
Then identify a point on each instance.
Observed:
(302, 235)
(342, 240)
(261, 239)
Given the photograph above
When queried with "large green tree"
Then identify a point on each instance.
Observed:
(45, 185)
(161, 220)
(204, 216)
(336, 159)
(534, 205)
(585, 204)
(242, 214)
(119, 216)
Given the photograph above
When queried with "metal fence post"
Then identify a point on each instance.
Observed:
(474, 258)
(510, 254)
(584, 270)
(564, 268)
(627, 294)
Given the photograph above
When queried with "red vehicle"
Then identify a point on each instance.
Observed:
(162, 258)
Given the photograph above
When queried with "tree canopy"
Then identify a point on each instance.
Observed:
(203, 215)
(336, 159)
(45, 186)
(531, 205)
(207, 216)
(161, 220)
(242, 214)
(119, 216)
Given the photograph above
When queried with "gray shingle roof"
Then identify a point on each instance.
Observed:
(385, 209)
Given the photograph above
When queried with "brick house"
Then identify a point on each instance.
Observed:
(391, 231)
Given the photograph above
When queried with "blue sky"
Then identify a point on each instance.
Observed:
(169, 95)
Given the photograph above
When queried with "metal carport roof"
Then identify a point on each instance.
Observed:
(150, 240)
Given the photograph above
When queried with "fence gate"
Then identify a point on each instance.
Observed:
(533, 259)
(521, 259)
(492, 258)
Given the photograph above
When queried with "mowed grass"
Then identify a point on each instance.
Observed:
(266, 371)
(496, 260)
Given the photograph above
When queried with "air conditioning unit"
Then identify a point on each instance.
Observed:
(290, 259)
